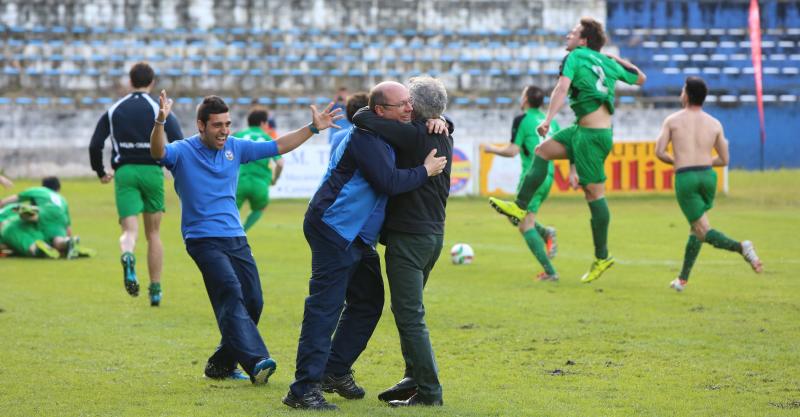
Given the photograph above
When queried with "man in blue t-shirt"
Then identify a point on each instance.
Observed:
(205, 167)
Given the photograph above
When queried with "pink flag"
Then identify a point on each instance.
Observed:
(755, 44)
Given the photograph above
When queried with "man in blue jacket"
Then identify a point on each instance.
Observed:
(341, 226)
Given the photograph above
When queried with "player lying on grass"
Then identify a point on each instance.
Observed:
(40, 214)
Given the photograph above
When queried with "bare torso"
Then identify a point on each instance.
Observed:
(693, 134)
(598, 119)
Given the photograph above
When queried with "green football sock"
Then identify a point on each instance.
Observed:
(600, 219)
(252, 219)
(693, 246)
(720, 241)
(541, 230)
(536, 245)
(534, 178)
(154, 288)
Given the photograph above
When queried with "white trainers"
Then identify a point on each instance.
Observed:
(749, 254)
(677, 285)
(551, 243)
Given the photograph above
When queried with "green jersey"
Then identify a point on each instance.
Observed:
(260, 168)
(593, 76)
(43, 197)
(527, 138)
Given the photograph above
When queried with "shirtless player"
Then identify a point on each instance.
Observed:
(694, 133)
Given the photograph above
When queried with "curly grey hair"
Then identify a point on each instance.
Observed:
(429, 95)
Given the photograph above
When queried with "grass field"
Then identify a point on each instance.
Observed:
(72, 342)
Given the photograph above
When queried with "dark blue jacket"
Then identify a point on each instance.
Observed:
(351, 201)
(128, 123)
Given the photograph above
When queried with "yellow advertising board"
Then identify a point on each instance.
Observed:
(631, 167)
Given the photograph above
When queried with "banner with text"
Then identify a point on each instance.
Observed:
(631, 167)
(305, 166)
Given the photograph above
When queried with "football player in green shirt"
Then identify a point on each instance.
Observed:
(52, 219)
(256, 177)
(541, 240)
(589, 78)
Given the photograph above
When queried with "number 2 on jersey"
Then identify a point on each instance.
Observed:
(601, 79)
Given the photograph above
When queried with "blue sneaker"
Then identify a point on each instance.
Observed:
(129, 273)
(262, 371)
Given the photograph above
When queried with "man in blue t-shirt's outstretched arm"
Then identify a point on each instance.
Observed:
(205, 167)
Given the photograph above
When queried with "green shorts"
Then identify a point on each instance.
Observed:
(139, 188)
(20, 235)
(53, 222)
(587, 149)
(254, 190)
(541, 194)
(695, 188)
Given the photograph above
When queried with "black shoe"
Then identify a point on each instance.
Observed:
(312, 400)
(215, 371)
(401, 391)
(415, 401)
(344, 385)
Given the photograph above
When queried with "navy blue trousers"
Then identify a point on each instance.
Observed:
(340, 278)
(234, 289)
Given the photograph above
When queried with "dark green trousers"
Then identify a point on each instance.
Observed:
(409, 260)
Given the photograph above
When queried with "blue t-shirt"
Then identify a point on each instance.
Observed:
(344, 125)
(205, 180)
(336, 138)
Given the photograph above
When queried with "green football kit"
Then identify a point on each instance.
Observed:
(19, 235)
(139, 188)
(695, 188)
(527, 139)
(254, 177)
(54, 219)
(593, 79)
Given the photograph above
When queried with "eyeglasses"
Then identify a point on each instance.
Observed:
(409, 102)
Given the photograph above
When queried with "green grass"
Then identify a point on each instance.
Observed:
(72, 342)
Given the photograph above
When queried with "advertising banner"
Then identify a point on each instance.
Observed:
(631, 167)
(305, 166)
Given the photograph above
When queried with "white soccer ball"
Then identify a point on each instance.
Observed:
(461, 254)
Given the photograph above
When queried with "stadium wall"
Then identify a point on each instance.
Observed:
(55, 141)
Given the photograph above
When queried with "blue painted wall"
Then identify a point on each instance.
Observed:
(782, 148)
(699, 14)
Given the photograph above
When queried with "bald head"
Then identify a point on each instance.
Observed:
(378, 93)
(391, 100)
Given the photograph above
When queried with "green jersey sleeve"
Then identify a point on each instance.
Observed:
(627, 75)
(568, 65)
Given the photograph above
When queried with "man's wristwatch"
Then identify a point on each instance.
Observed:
(313, 128)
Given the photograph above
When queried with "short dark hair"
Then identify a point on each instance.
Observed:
(211, 105)
(141, 75)
(696, 90)
(355, 102)
(52, 183)
(257, 116)
(593, 32)
(376, 98)
(535, 96)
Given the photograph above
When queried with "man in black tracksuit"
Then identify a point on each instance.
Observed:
(413, 233)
